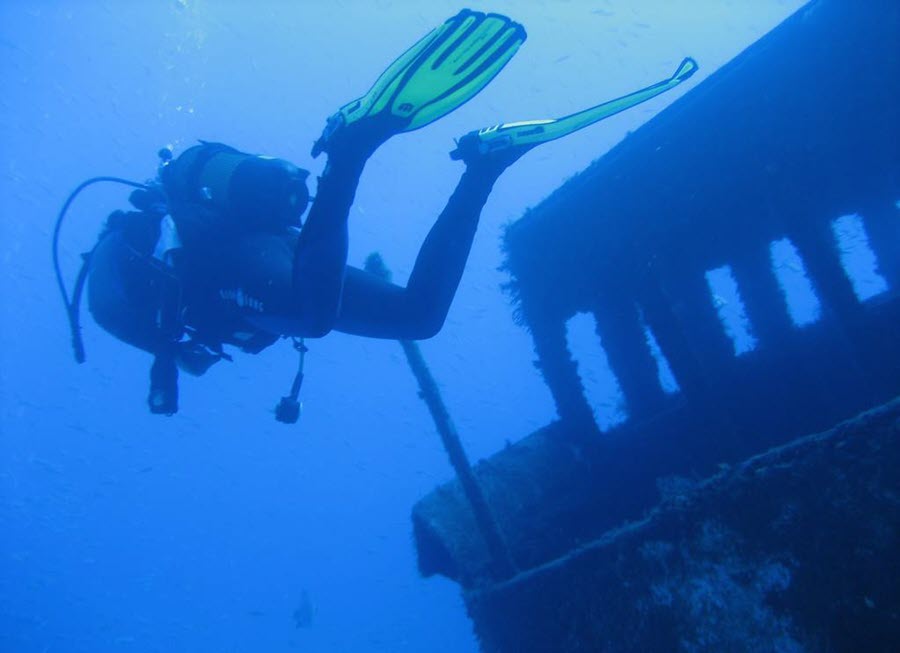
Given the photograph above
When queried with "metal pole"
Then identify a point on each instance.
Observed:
(502, 562)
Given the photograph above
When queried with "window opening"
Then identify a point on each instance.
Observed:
(601, 387)
(732, 314)
(663, 369)
(802, 303)
(857, 257)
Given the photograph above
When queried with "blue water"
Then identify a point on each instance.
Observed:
(121, 531)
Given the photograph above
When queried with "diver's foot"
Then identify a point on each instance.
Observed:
(488, 157)
(358, 139)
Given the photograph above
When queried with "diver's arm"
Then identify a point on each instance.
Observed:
(375, 308)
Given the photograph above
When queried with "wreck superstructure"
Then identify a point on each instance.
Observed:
(787, 155)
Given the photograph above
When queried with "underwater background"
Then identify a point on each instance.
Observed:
(219, 529)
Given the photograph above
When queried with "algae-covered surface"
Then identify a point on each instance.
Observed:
(793, 550)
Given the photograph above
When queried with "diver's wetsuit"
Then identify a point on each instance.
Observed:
(300, 285)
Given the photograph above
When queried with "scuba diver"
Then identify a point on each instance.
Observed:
(215, 252)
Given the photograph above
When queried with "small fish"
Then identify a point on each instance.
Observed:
(303, 615)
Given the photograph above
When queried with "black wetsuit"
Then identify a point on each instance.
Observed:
(298, 283)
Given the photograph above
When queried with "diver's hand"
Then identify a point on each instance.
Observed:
(195, 359)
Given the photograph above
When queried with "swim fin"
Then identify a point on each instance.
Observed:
(446, 68)
(519, 137)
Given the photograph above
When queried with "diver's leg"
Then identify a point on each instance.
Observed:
(439, 73)
(375, 308)
(442, 258)
(321, 253)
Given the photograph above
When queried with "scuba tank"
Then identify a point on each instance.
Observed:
(243, 192)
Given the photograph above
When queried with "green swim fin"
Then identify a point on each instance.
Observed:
(529, 133)
(446, 68)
